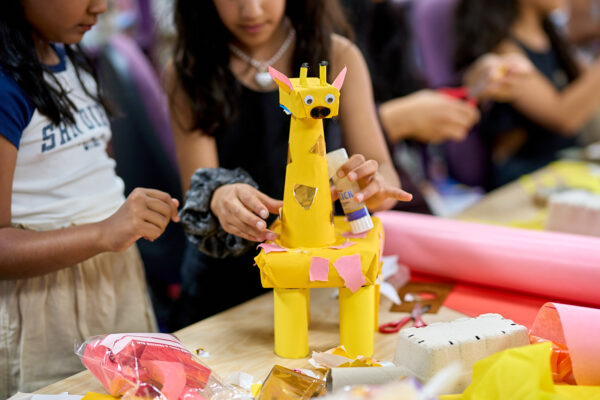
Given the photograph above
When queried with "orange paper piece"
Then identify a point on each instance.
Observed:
(286, 384)
(560, 361)
(578, 328)
(349, 268)
(319, 269)
(98, 396)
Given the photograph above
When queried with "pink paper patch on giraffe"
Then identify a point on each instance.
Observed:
(347, 243)
(271, 247)
(319, 269)
(350, 270)
(351, 235)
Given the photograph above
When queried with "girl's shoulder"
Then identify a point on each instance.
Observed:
(344, 53)
(340, 45)
(16, 110)
(508, 46)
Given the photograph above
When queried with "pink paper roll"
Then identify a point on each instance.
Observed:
(578, 328)
(550, 264)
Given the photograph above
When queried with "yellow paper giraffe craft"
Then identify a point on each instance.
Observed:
(316, 250)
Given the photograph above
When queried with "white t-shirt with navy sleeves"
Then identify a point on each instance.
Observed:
(63, 175)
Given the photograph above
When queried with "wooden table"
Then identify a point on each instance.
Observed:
(241, 339)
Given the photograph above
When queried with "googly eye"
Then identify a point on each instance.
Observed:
(308, 100)
(329, 98)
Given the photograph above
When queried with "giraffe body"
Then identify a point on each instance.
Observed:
(310, 234)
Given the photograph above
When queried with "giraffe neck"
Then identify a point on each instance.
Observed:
(307, 208)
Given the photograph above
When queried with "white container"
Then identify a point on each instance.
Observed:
(356, 212)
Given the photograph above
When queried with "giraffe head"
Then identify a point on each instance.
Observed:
(305, 97)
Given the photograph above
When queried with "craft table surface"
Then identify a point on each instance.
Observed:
(507, 203)
(241, 339)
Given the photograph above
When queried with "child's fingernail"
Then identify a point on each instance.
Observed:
(352, 176)
(261, 225)
(270, 236)
(264, 213)
(359, 197)
(340, 173)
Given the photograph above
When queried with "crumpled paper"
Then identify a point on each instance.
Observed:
(339, 357)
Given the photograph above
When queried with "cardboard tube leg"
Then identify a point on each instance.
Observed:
(291, 322)
(339, 377)
(356, 320)
(376, 310)
(308, 306)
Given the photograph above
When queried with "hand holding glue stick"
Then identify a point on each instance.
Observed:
(371, 188)
(356, 211)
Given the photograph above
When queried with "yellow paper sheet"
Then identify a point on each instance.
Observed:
(520, 373)
(98, 396)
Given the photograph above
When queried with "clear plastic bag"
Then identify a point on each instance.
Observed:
(152, 366)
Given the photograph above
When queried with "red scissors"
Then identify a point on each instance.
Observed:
(461, 93)
(415, 316)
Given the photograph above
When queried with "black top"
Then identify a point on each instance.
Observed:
(541, 144)
(258, 140)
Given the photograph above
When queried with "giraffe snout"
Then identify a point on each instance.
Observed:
(320, 112)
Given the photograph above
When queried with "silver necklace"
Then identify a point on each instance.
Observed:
(262, 77)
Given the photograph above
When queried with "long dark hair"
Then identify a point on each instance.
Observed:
(383, 34)
(481, 25)
(19, 60)
(201, 54)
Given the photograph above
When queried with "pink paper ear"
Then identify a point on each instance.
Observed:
(281, 79)
(339, 80)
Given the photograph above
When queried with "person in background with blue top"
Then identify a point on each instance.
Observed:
(68, 265)
(533, 115)
(232, 137)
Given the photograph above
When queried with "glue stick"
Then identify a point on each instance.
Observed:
(356, 213)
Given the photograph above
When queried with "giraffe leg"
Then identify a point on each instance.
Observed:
(376, 308)
(291, 322)
(356, 320)
(308, 306)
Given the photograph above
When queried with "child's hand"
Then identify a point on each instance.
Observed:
(145, 214)
(429, 117)
(241, 210)
(373, 188)
(497, 77)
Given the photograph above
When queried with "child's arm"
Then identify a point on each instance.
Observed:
(564, 111)
(25, 253)
(380, 186)
(240, 209)
(427, 116)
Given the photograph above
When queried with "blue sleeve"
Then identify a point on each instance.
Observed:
(15, 109)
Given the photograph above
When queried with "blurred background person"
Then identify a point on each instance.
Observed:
(532, 116)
